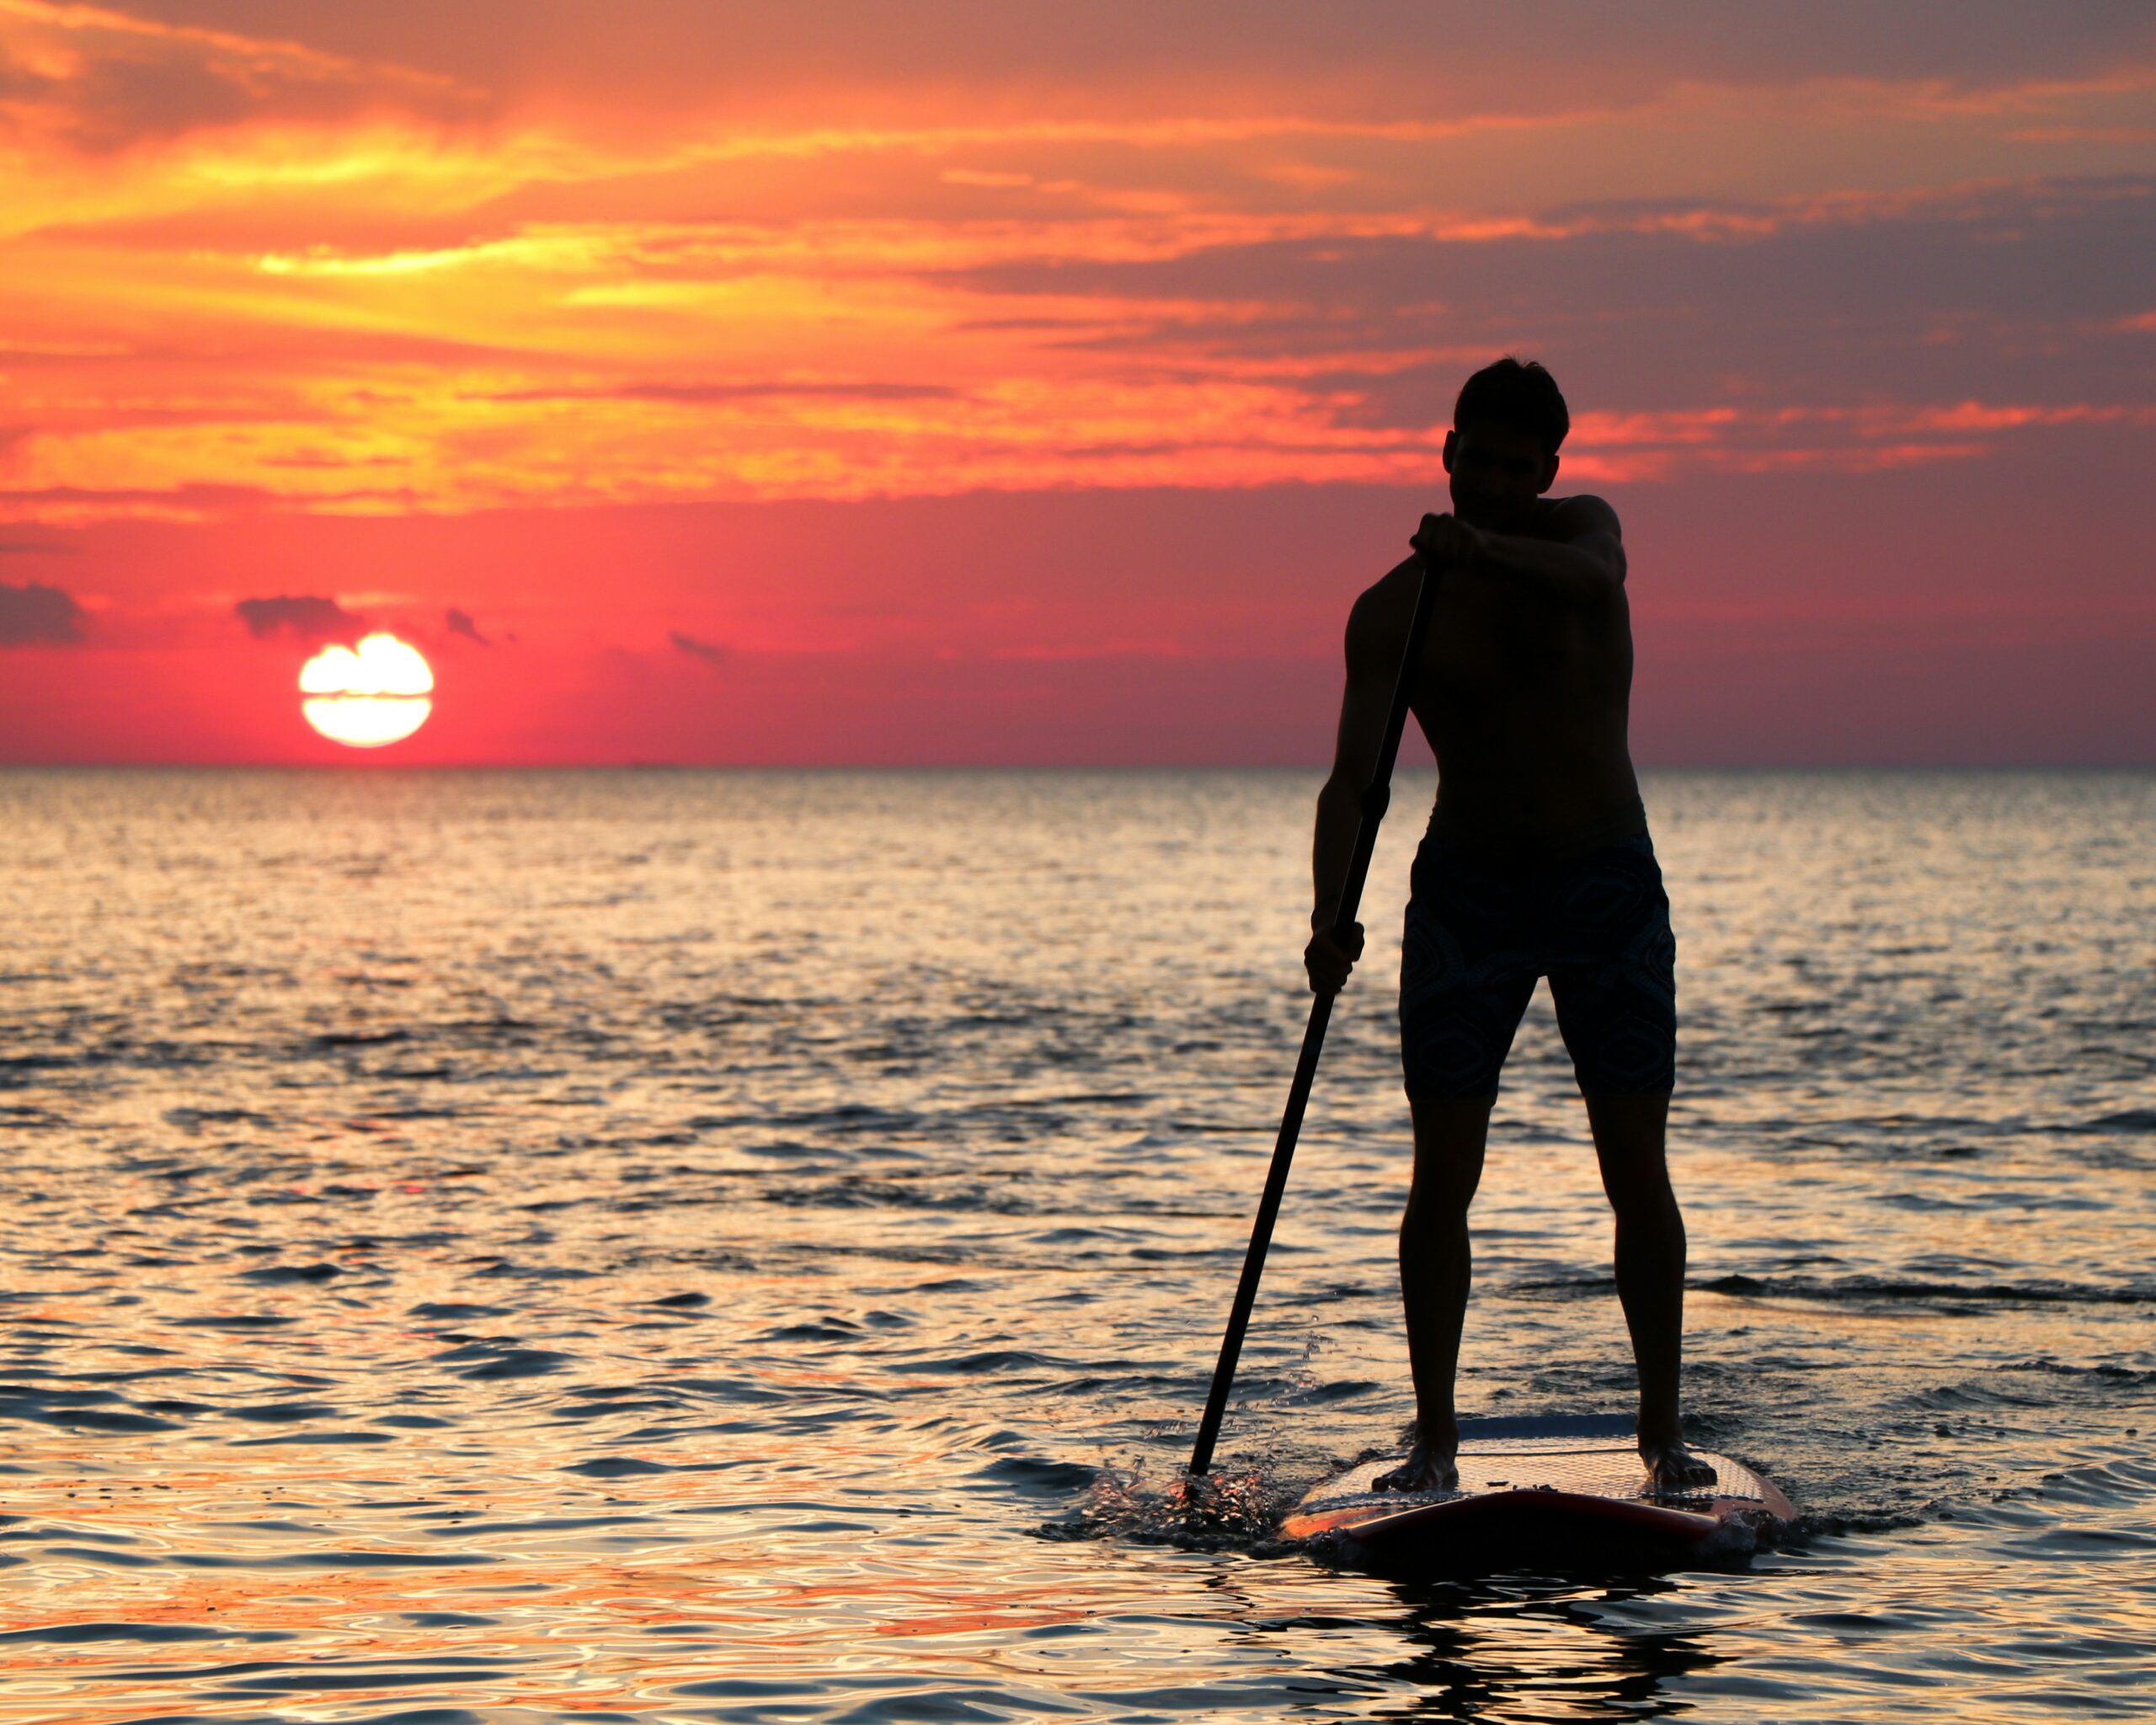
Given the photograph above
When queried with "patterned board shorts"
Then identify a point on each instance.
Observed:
(1479, 934)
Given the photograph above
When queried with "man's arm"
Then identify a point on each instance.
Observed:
(1374, 630)
(1585, 565)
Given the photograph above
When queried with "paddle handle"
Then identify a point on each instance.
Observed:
(1377, 796)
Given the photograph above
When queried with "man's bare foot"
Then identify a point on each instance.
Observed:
(1672, 1467)
(1430, 1466)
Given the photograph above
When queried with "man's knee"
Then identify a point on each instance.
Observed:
(1629, 1140)
(1450, 1123)
(1434, 1209)
(1650, 1204)
(1449, 1136)
(1640, 1196)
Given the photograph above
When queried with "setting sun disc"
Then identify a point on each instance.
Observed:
(367, 697)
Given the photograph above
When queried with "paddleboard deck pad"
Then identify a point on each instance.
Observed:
(1569, 1492)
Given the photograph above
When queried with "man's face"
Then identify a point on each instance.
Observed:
(1498, 472)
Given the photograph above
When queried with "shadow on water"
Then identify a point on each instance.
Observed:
(1526, 1646)
(1478, 1645)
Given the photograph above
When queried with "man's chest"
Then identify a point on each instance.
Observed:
(1499, 645)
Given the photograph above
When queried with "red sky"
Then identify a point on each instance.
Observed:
(1004, 382)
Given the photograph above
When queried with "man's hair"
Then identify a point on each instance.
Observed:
(1524, 397)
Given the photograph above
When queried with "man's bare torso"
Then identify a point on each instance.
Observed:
(1524, 701)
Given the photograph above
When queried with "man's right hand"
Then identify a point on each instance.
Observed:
(1328, 961)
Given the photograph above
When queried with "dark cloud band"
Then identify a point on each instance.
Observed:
(34, 614)
(305, 617)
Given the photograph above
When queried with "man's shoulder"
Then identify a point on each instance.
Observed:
(1378, 621)
(1576, 516)
(1390, 599)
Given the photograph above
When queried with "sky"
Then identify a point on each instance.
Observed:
(981, 381)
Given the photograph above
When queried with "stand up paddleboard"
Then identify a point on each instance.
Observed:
(1568, 1492)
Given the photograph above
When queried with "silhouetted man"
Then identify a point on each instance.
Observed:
(1537, 863)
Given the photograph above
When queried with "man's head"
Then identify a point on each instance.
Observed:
(1501, 452)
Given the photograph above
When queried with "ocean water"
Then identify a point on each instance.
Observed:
(751, 1247)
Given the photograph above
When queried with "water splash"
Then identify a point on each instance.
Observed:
(1228, 1509)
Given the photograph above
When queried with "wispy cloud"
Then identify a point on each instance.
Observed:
(777, 390)
(400, 274)
(711, 653)
(99, 78)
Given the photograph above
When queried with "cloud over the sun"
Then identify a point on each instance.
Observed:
(306, 617)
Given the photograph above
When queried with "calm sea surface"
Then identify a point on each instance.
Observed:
(751, 1247)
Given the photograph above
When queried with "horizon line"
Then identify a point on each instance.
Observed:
(1409, 770)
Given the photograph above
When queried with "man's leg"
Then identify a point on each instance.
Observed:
(1435, 1269)
(1629, 1140)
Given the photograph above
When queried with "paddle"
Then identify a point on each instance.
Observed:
(1376, 794)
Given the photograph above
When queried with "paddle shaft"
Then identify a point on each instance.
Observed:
(1376, 795)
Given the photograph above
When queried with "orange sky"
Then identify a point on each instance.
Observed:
(1005, 383)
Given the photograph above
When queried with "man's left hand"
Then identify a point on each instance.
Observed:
(1445, 540)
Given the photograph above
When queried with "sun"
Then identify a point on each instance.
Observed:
(368, 696)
